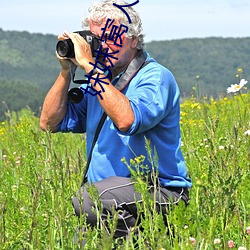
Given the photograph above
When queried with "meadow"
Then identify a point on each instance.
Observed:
(40, 172)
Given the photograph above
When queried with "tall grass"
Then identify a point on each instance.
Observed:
(40, 172)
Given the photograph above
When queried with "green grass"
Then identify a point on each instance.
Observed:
(40, 172)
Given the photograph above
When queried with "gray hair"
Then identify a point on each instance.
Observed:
(103, 10)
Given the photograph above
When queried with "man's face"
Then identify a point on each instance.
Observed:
(125, 54)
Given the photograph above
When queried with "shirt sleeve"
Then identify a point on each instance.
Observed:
(153, 98)
(75, 118)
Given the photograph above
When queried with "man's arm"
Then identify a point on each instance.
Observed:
(115, 104)
(55, 103)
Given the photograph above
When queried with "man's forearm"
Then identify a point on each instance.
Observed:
(55, 103)
(116, 105)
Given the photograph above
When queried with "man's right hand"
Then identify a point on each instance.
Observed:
(66, 63)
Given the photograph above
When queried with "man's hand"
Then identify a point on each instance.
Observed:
(66, 63)
(83, 54)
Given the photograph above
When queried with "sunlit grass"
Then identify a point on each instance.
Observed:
(40, 172)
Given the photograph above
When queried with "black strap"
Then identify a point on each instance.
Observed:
(97, 132)
(136, 64)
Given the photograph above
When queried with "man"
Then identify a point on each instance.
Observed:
(144, 106)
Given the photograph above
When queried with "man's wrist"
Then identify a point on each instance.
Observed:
(95, 71)
(65, 73)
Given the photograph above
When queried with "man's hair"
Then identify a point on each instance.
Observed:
(100, 11)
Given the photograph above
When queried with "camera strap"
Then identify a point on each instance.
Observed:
(136, 64)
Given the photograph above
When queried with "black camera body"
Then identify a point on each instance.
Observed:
(65, 48)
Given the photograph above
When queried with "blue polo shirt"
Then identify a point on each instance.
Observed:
(154, 97)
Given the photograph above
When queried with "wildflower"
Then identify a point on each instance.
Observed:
(123, 160)
(14, 188)
(22, 210)
(242, 248)
(192, 240)
(248, 230)
(132, 162)
(240, 70)
(230, 244)
(195, 106)
(247, 133)
(45, 216)
(198, 182)
(221, 147)
(237, 87)
(216, 241)
(71, 167)
(137, 159)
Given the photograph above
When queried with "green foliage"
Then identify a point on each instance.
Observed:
(216, 146)
(36, 184)
(14, 95)
(40, 172)
(29, 58)
(208, 62)
(28, 68)
(204, 67)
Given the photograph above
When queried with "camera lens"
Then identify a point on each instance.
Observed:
(75, 95)
(65, 48)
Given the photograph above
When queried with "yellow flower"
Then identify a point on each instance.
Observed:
(195, 105)
(240, 70)
(138, 160)
(183, 113)
(132, 162)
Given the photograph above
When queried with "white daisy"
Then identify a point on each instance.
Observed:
(237, 87)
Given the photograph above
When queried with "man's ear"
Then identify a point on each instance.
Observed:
(134, 42)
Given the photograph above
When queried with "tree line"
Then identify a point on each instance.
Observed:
(202, 67)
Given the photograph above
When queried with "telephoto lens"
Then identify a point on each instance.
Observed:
(65, 48)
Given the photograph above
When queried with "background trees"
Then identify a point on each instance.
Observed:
(202, 67)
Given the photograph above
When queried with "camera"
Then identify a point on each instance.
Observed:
(65, 48)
